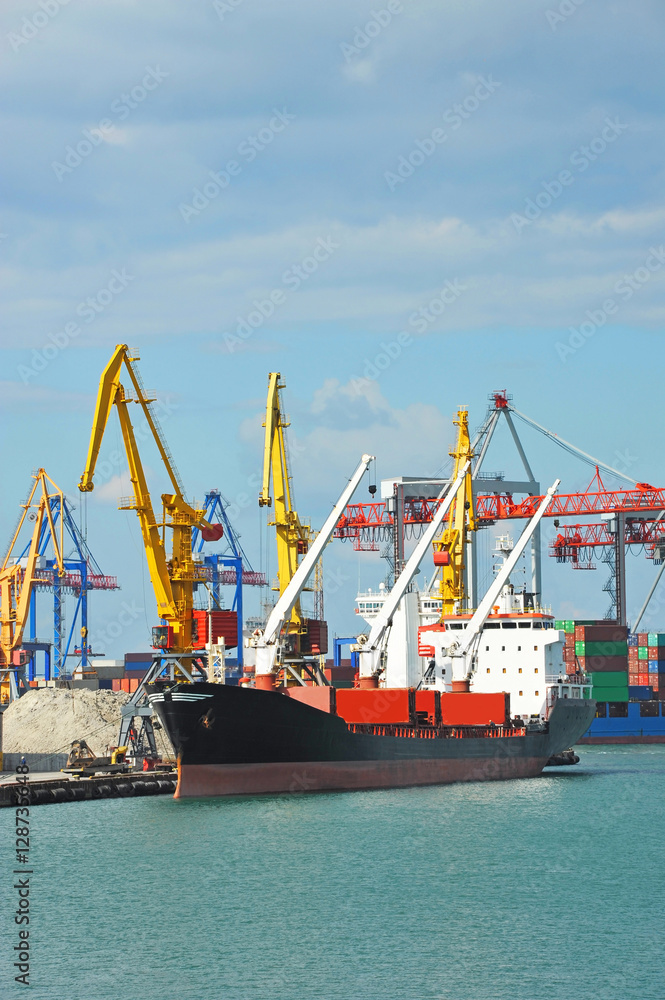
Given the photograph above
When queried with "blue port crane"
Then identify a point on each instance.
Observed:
(82, 574)
(231, 567)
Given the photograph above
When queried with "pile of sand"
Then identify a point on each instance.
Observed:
(48, 720)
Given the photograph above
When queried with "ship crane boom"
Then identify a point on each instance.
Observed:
(267, 643)
(461, 652)
(371, 648)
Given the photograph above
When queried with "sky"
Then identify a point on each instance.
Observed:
(401, 207)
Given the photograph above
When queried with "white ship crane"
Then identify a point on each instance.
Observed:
(371, 649)
(266, 643)
(460, 654)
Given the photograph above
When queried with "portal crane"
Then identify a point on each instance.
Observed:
(450, 548)
(293, 536)
(18, 578)
(173, 579)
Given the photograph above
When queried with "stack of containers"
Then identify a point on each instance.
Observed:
(601, 650)
(568, 628)
(638, 677)
(656, 663)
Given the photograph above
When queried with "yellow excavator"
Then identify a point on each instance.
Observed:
(17, 580)
(307, 637)
(177, 640)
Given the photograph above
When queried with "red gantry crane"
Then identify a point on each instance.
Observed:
(499, 500)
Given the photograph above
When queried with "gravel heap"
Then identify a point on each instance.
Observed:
(48, 720)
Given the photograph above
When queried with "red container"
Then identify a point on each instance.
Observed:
(322, 698)
(470, 709)
(381, 706)
(223, 623)
(600, 664)
(571, 668)
(314, 642)
(654, 681)
(643, 638)
(116, 684)
(429, 702)
(601, 633)
(133, 684)
(643, 680)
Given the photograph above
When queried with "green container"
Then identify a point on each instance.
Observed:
(643, 653)
(569, 627)
(609, 693)
(657, 638)
(610, 678)
(601, 649)
(560, 624)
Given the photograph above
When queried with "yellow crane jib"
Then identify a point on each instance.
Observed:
(293, 537)
(172, 578)
(450, 548)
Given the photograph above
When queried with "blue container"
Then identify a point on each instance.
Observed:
(654, 666)
(640, 693)
(633, 640)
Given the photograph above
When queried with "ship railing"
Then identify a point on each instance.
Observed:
(436, 732)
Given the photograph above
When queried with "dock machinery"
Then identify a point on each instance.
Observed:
(179, 647)
(308, 636)
(17, 581)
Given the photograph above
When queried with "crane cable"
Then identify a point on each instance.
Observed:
(571, 448)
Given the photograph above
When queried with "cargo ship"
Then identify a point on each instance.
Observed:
(286, 733)
(240, 741)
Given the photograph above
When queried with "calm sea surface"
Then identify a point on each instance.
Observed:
(525, 890)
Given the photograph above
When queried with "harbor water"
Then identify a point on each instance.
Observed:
(541, 889)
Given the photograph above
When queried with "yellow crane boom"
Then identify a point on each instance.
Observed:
(293, 537)
(172, 579)
(450, 548)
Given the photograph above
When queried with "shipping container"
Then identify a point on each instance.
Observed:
(605, 648)
(606, 664)
(616, 678)
(321, 697)
(428, 707)
(656, 638)
(380, 706)
(656, 652)
(314, 642)
(222, 624)
(643, 653)
(610, 693)
(116, 684)
(643, 678)
(601, 633)
(471, 709)
(633, 640)
(639, 693)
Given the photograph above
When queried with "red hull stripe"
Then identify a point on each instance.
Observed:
(195, 780)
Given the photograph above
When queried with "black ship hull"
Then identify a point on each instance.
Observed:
(237, 741)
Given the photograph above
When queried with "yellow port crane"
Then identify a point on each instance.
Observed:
(450, 548)
(17, 580)
(293, 536)
(173, 578)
